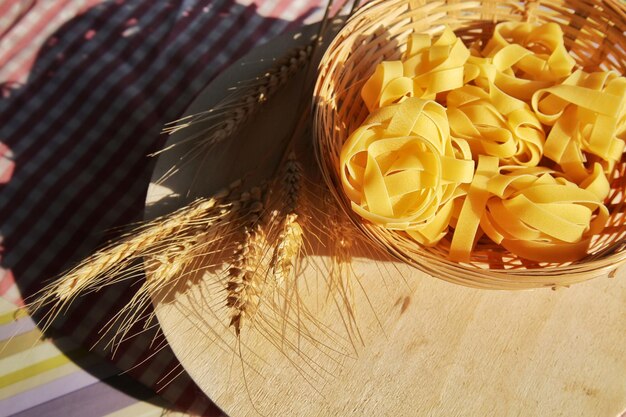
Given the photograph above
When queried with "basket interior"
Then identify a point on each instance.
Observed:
(594, 35)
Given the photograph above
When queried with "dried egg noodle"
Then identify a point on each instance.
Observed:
(587, 113)
(427, 69)
(515, 137)
(531, 212)
(514, 105)
(524, 58)
(401, 169)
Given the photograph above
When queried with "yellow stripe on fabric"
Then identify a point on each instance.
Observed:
(140, 409)
(6, 306)
(33, 370)
(13, 315)
(20, 343)
(27, 384)
(38, 353)
(45, 377)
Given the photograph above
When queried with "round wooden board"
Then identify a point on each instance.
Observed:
(418, 346)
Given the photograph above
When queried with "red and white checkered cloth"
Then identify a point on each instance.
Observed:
(85, 88)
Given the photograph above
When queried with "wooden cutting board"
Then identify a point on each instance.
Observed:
(421, 346)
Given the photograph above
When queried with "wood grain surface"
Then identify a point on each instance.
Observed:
(419, 347)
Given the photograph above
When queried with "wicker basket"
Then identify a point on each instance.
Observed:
(594, 34)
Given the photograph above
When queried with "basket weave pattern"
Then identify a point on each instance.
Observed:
(594, 35)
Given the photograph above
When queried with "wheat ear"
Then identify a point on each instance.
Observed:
(115, 262)
(290, 237)
(164, 268)
(246, 274)
(229, 116)
(235, 111)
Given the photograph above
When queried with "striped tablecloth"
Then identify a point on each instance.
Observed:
(85, 88)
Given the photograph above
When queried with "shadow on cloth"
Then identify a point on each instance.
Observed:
(76, 134)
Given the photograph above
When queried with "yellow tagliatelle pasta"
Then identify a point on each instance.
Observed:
(516, 137)
(526, 57)
(401, 169)
(544, 136)
(586, 113)
(427, 68)
(543, 217)
(531, 212)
